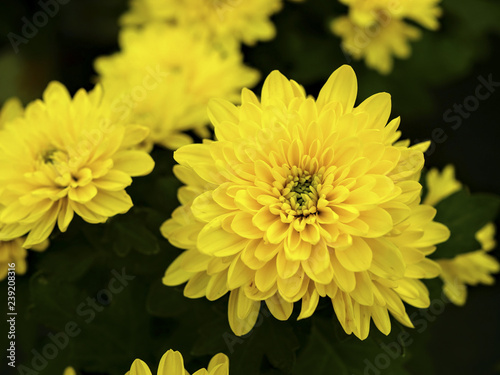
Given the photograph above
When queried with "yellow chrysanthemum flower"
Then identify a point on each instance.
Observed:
(69, 371)
(172, 363)
(66, 155)
(164, 77)
(301, 198)
(471, 268)
(375, 30)
(246, 21)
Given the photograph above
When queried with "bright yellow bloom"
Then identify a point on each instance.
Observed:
(66, 155)
(301, 198)
(240, 20)
(69, 371)
(164, 77)
(172, 363)
(470, 268)
(375, 30)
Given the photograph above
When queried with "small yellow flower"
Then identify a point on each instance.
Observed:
(64, 156)
(172, 363)
(13, 252)
(164, 77)
(300, 199)
(223, 20)
(69, 371)
(376, 30)
(471, 268)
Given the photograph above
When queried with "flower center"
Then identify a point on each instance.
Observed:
(300, 194)
(54, 156)
(55, 162)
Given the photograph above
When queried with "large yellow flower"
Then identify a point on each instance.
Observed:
(172, 363)
(164, 77)
(301, 198)
(65, 155)
(470, 268)
(240, 20)
(376, 30)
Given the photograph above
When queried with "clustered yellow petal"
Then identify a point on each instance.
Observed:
(223, 20)
(377, 30)
(299, 199)
(64, 156)
(471, 268)
(172, 363)
(164, 76)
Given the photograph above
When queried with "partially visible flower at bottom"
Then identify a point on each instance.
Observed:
(13, 252)
(172, 363)
(471, 268)
(69, 371)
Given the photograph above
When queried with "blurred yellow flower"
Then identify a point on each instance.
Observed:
(470, 268)
(13, 252)
(172, 363)
(376, 30)
(69, 371)
(301, 198)
(240, 20)
(164, 77)
(65, 155)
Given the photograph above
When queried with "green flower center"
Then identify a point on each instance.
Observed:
(301, 192)
(54, 159)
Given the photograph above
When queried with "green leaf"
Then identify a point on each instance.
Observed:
(320, 357)
(464, 214)
(326, 353)
(270, 339)
(130, 232)
(68, 263)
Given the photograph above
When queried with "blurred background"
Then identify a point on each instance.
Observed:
(443, 72)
